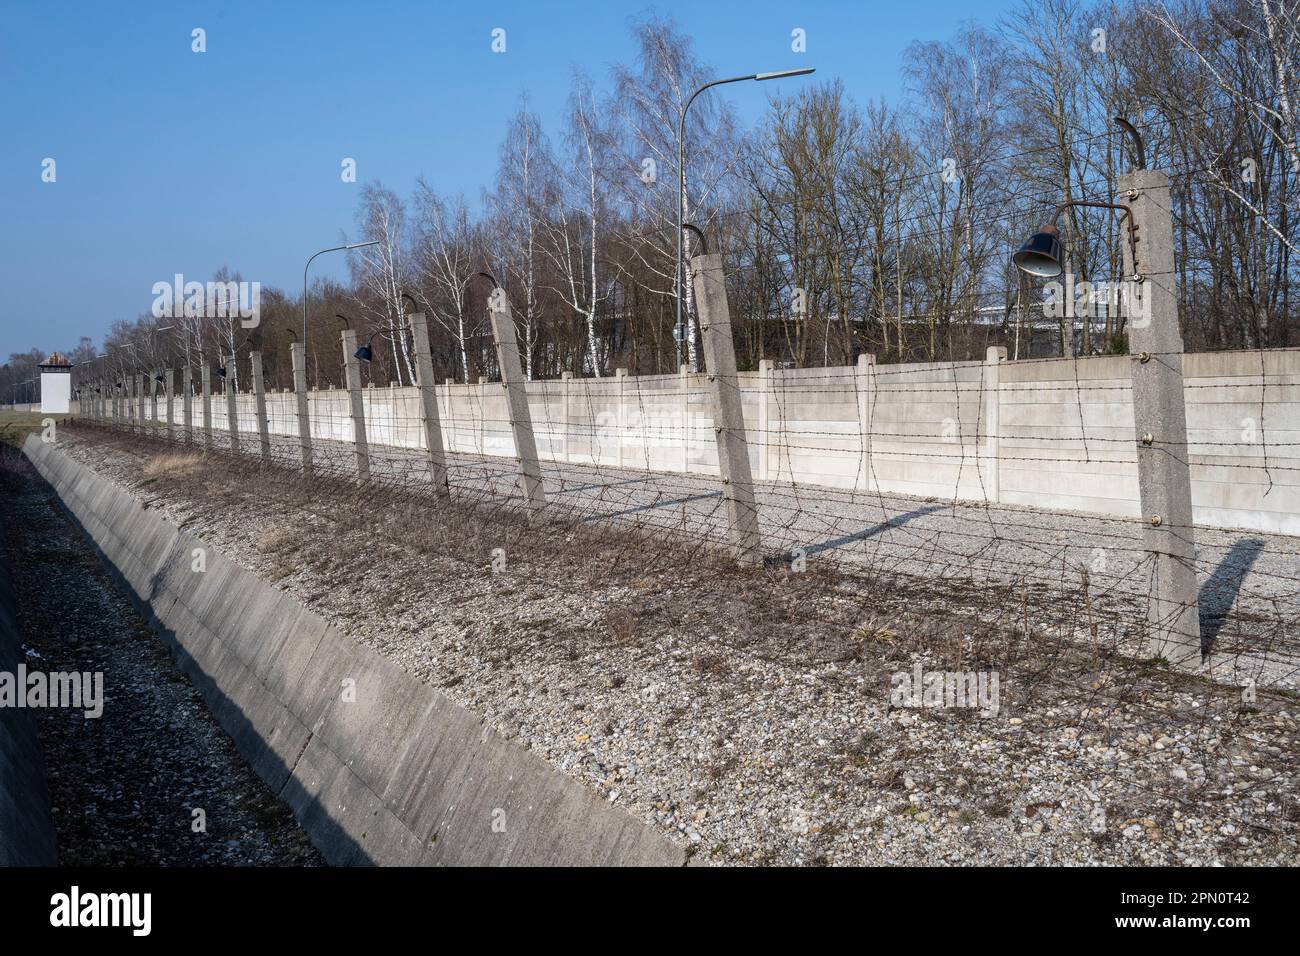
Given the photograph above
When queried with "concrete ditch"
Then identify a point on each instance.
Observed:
(377, 766)
(26, 825)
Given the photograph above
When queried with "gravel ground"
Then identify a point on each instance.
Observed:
(124, 785)
(1249, 581)
(749, 714)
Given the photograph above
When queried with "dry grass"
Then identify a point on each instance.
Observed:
(625, 624)
(170, 466)
(276, 539)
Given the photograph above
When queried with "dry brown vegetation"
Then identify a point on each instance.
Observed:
(171, 465)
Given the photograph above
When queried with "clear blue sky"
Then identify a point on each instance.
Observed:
(170, 161)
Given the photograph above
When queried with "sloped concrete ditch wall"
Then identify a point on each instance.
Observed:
(377, 766)
(26, 825)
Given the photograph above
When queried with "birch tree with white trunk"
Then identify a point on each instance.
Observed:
(446, 260)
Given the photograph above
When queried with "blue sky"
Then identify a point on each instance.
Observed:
(170, 161)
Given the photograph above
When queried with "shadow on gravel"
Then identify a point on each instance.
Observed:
(1219, 592)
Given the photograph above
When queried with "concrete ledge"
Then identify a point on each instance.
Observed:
(26, 824)
(377, 766)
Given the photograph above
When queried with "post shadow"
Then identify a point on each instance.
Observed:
(1219, 592)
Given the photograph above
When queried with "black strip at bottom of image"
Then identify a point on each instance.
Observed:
(338, 904)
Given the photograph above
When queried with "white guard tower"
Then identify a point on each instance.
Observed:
(56, 384)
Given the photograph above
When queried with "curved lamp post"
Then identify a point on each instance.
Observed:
(350, 245)
(1041, 253)
(679, 331)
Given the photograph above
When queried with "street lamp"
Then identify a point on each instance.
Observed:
(365, 353)
(1041, 253)
(350, 245)
(128, 345)
(679, 331)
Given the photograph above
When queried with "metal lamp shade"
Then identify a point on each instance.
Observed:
(363, 353)
(1040, 255)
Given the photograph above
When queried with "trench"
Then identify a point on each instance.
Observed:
(153, 780)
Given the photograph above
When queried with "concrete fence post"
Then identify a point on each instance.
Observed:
(232, 399)
(137, 403)
(1160, 424)
(169, 378)
(521, 421)
(990, 451)
(765, 368)
(566, 412)
(357, 403)
(684, 387)
(864, 389)
(259, 404)
(205, 380)
(728, 414)
(298, 355)
(435, 453)
(620, 413)
(187, 403)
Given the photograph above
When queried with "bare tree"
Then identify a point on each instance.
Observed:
(648, 101)
(523, 176)
(445, 259)
(579, 208)
(380, 270)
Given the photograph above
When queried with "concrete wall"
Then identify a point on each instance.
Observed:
(26, 825)
(400, 775)
(1064, 440)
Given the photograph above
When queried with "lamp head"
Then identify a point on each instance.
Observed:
(221, 371)
(1041, 254)
(782, 74)
(363, 353)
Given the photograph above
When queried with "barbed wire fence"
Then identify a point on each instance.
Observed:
(976, 518)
